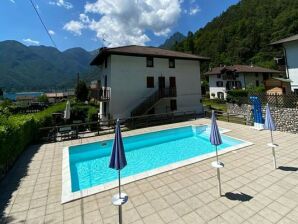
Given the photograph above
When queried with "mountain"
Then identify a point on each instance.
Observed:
(41, 67)
(170, 42)
(241, 34)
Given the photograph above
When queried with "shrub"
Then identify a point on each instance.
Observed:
(81, 91)
(18, 131)
(15, 134)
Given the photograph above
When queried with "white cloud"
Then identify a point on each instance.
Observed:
(52, 32)
(194, 10)
(61, 3)
(124, 22)
(12, 1)
(75, 27)
(31, 42)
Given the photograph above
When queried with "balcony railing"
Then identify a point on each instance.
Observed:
(101, 94)
(154, 98)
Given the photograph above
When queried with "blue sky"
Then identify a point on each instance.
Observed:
(93, 23)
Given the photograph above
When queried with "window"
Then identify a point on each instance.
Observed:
(218, 76)
(171, 62)
(150, 82)
(173, 104)
(105, 108)
(233, 85)
(238, 85)
(106, 81)
(150, 62)
(257, 83)
(257, 75)
(296, 91)
(219, 84)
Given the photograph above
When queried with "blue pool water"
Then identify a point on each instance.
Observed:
(89, 163)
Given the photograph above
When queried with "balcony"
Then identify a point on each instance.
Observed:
(101, 94)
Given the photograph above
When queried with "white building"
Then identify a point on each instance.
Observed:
(290, 47)
(139, 80)
(225, 78)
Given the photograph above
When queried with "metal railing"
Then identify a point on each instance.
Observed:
(229, 117)
(101, 94)
(154, 98)
(95, 128)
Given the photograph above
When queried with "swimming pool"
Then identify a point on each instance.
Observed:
(146, 154)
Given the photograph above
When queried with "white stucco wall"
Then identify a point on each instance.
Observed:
(128, 80)
(246, 79)
(292, 62)
(213, 89)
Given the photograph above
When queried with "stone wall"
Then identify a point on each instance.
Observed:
(286, 119)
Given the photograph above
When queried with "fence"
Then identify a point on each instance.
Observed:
(74, 131)
(274, 100)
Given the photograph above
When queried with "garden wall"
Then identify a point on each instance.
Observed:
(286, 119)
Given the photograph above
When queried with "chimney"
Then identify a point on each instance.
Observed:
(251, 64)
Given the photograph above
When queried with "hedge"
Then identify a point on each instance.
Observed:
(18, 131)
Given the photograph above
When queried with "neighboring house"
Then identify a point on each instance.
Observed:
(225, 78)
(59, 96)
(290, 47)
(95, 90)
(138, 80)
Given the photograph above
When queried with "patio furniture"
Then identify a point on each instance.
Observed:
(66, 133)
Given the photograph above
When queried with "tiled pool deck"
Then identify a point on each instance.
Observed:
(31, 192)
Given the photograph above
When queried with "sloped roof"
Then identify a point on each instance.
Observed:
(283, 79)
(134, 50)
(285, 40)
(240, 69)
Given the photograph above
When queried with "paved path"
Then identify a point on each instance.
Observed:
(254, 191)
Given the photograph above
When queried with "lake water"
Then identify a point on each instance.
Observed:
(13, 95)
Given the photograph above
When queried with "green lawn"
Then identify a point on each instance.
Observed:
(215, 104)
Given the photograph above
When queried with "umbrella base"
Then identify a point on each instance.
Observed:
(218, 164)
(272, 145)
(116, 200)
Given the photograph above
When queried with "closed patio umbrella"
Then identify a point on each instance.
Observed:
(269, 125)
(118, 162)
(67, 111)
(215, 139)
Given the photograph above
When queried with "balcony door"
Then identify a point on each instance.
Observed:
(161, 82)
(172, 89)
(172, 82)
(161, 85)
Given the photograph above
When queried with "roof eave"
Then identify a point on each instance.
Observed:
(97, 60)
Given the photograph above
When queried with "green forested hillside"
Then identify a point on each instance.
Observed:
(241, 34)
(42, 67)
(170, 42)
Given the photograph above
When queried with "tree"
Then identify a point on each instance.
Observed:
(81, 91)
(43, 99)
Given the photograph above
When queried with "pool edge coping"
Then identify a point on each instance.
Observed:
(68, 196)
